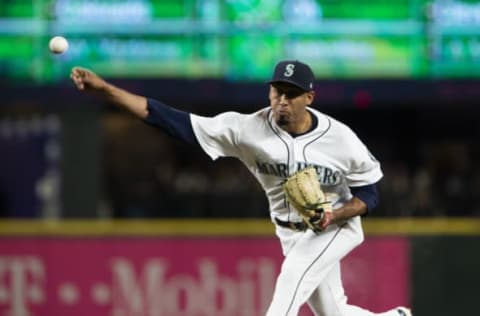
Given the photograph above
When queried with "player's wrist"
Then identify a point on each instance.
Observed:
(105, 87)
(340, 214)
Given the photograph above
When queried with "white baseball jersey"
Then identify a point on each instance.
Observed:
(271, 154)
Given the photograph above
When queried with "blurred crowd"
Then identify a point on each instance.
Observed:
(445, 183)
(142, 173)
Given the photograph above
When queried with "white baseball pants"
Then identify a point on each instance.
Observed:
(311, 273)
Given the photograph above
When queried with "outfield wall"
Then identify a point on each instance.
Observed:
(223, 267)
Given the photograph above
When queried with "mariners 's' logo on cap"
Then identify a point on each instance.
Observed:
(289, 70)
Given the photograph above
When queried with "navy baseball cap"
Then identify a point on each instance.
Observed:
(294, 72)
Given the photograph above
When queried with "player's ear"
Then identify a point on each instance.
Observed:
(310, 97)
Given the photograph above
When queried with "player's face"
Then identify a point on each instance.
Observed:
(289, 103)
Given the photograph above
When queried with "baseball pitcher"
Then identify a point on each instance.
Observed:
(318, 176)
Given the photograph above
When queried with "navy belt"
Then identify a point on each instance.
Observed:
(297, 226)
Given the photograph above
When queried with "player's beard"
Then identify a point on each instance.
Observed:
(282, 120)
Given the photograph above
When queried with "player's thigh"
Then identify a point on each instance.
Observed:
(314, 253)
(311, 254)
(309, 262)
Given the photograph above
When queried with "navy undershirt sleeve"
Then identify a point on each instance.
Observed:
(368, 194)
(174, 122)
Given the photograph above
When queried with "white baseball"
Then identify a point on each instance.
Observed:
(58, 45)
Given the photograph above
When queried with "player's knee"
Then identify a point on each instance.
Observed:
(359, 238)
(355, 233)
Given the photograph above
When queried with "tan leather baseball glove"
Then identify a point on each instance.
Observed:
(304, 193)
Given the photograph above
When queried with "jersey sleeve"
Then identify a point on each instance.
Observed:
(174, 122)
(218, 136)
(364, 167)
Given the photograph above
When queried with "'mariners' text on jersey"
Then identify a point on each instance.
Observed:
(326, 175)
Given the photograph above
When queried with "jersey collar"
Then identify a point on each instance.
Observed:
(318, 120)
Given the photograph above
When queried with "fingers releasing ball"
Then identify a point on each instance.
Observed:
(58, 45)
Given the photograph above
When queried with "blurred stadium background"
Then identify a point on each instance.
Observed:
(95, 204)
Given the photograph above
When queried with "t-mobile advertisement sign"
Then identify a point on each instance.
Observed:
(177, 276)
